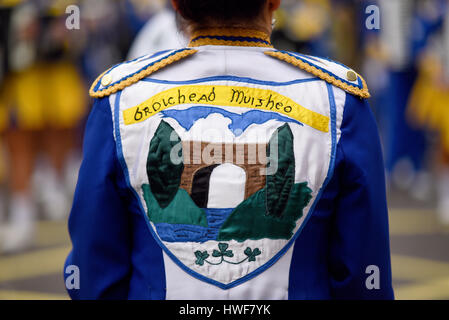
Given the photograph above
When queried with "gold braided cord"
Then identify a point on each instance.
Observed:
(138, 76)
(363, 93)
(217, 42)
(231, 32)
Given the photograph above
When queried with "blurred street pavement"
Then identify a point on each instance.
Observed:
(419, 245)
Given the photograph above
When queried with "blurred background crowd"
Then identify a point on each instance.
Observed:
(46, 69)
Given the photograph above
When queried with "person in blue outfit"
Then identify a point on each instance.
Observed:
(230, 170)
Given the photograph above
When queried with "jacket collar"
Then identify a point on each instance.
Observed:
(230, 37)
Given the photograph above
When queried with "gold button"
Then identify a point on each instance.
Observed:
(351, 75)
(106, 80)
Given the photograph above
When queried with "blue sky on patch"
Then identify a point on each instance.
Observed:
(239, 122)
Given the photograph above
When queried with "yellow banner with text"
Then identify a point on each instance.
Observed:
(232, 96)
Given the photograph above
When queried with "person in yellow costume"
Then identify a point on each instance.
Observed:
(42, 102)
(429, 108)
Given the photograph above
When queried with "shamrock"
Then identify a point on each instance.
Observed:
(252, 254)
(224, 252)
(201, 257)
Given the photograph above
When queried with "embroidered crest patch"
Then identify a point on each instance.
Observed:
(227, 182)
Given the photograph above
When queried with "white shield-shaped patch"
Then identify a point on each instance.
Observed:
(227, 173)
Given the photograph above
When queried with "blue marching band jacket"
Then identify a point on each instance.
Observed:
(230, 170)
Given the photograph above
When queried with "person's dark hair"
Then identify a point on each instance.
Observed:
(203, 11)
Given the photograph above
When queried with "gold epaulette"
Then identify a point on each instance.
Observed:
(331, 72)
(106, 84)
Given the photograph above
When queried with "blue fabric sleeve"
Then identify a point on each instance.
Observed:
(99, 223)
(359, 230)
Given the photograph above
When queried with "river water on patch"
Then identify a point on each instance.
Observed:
(190, 233)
